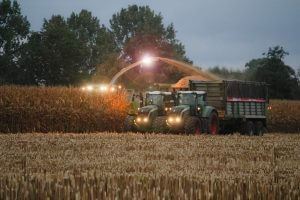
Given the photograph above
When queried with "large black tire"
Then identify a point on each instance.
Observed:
(129, 124)
(213, 123)
(249, 128)
(192, 125)
(159, 125)
(260, 129)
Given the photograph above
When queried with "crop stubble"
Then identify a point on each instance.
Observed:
(109, 165)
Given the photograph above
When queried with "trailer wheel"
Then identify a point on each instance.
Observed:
(159, 125)
(213, 123)
(129, 124)
(192, 125)
(250, 128)
(259, 128)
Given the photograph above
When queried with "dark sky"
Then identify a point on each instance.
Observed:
(214, 32)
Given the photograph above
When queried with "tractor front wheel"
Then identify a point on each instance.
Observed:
(129, 124)
(160, 125)
(192, 125)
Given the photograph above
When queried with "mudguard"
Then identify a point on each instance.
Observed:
(207, 110)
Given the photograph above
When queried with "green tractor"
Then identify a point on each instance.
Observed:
(152, 116)
(192, 115)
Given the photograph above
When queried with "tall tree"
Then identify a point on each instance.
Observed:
(66, 52)
(138, 31)
(282, 79)
(60, 52)
(96, 41)
(14, 29)
(106, 70)
(32, 62)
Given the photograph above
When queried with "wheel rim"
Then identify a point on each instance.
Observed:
(213, 125)
(251, 129)
(251, 132)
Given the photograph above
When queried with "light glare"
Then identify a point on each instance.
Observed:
(89, 88)
(103, 88)
(147, 60)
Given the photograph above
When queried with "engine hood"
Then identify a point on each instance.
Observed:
(146, 109)
(179, 109)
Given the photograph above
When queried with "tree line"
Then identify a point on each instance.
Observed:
(68, 51)
(283, 81)
(76, 49)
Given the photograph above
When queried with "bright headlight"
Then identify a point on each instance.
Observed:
(103, 88)
(112, 89)
(145, 119)
(171, 119)
(89, 88)
(177, 119)
(138, 119)
(166, 109)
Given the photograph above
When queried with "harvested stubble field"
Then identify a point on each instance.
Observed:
(147, 166)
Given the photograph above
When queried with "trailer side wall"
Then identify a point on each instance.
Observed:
(235, 99)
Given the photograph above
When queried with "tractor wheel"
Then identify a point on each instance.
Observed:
(192, 125)
(259, 128)
(129, 124)
(213, 124)
(159, 125)
(249, 128)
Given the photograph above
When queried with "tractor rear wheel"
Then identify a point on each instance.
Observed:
(213, 124)
(129, 124)
(159, 125)
(192, 125)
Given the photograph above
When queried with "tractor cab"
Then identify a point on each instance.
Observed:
(191, 102)
(163, 100)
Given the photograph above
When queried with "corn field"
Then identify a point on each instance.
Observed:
(284, 116)
(136, 166)
(60, 109)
